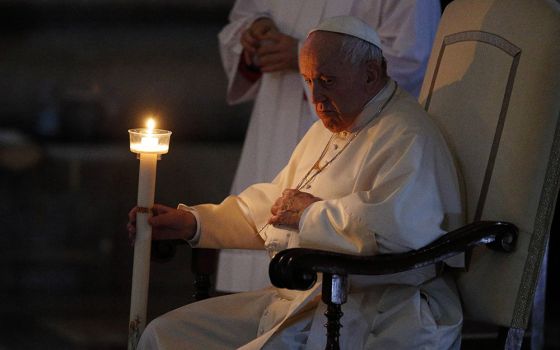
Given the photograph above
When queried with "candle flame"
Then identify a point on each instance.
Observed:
(151, 123)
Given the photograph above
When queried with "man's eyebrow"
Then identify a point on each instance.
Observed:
(327, 69)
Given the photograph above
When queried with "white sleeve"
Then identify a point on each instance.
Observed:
(193, 242)
(244, 13)
(402, 210)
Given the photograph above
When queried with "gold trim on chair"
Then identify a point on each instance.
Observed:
(515, 53)
(537, 245)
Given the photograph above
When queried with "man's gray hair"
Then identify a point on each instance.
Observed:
(355, 50)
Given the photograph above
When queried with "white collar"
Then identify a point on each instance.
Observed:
(371, 108)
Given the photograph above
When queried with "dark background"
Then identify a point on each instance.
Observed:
(74, 76)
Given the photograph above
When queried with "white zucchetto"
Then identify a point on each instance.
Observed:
(349, 25)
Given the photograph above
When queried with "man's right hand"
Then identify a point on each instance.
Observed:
(166, 222)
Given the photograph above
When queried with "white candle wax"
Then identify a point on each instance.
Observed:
(142, 247)
(149, 143)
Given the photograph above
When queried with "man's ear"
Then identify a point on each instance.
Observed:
(374, 76)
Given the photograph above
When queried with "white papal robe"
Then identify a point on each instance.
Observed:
(393, 188)
(281, 116)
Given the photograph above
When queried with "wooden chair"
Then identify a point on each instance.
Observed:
(493, 87)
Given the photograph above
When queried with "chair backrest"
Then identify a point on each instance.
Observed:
(493, 86)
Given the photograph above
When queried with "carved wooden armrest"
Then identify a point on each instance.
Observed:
(164, 250)
(203, 264)
(297, 268)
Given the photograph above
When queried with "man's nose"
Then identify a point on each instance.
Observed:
(317, 94)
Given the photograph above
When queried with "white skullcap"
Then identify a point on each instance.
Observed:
(350, 26)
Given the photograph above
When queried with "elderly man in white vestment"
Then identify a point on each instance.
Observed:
(372, 176)
(266, 35)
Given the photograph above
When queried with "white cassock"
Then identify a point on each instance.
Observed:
(281, 116)
(392, 189)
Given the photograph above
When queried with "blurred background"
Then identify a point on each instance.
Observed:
(74, 76)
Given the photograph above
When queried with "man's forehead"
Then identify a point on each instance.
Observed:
(322, 47)
(322, 65)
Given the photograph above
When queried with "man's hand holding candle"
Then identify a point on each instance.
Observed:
(166, 222)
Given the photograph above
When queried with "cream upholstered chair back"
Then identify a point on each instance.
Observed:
(493, 87)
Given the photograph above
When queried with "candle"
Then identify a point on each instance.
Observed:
(149, 144)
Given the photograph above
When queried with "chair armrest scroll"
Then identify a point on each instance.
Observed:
(163, 251)
(297, 268)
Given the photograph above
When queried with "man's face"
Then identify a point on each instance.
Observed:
(338, 88)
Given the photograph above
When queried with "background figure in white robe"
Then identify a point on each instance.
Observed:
(282, 113)
(373, 176)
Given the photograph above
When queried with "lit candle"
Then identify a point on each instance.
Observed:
(149, 144)
(149, 140)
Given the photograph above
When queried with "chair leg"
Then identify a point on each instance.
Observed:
(334, 294)
(333, 313)
(202, 286)
(203, 266)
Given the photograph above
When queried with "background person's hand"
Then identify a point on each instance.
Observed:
(279, 53)
(252, 36)
(166, 222)
(287, 209)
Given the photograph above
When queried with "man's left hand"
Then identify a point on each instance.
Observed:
(287, 209)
